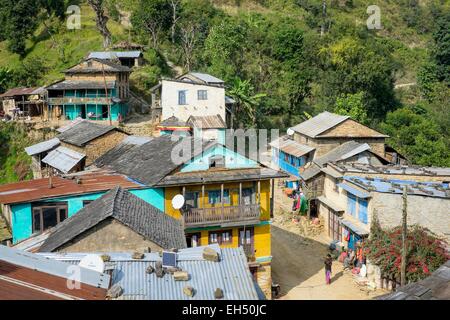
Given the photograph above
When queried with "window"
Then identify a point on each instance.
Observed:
(202, 95)
(48, 215)
(217, 161)
(86, 202)
(214, 196)
(181, 97)
(246, 241)
(248, 196)
(286, 157)
(362, 210)
(191, 199)
(221, 237)
(193, 240)
(351, 204)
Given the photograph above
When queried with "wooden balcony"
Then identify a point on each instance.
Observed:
(219, 215)
(79, 100)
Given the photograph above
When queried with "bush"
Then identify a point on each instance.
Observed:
(425, 252)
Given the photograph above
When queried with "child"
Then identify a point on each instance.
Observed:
(328, 263)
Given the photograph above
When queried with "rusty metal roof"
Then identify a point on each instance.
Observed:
(33, 190)
(207, 122)
(19, 92)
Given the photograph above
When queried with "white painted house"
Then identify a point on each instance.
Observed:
(191, 94)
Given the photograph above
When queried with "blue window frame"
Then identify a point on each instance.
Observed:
(214, 196)
(202, 94)
(351, 204)
(182, 97)
(362, 210)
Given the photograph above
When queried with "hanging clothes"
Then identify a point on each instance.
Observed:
(303, 204)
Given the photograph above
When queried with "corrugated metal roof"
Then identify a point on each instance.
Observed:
(291, 147)
(394, 170)
(115, 54)
(231, 274)
(330, 204)
(319, 124)
(354, 191)
(78, 84)
(19, 92)
(356, 226)
(206, 77)
(207, 122)
(42, 146)
(63, 159)
(421, 188)
(56, 268)
(28, 191)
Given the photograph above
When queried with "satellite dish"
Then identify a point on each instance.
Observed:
(92, 262)
(178, 202)
(290, 132)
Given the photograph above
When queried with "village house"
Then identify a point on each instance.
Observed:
(94, 89)
(28, 276)
(23, 102)
(313, 173)
(33, 207)
(327, 131)
(228, 197)
(191, 94)
(116, 222)
(350, 200)
(129, 59)
(78, 145)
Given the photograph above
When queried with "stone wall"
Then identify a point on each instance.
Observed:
(429, 212)
(109, 236)
(264, 280)
(96, 148)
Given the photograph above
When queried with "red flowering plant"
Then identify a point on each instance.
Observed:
(425, 252)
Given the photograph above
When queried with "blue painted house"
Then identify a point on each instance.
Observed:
(89, 90)
(290, 155)
(32, 207)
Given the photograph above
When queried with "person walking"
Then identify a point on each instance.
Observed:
(328, 263)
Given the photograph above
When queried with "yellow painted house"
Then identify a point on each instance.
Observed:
(228, 201)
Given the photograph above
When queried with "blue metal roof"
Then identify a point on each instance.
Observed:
(356, 192)
(427, 189)
(231, 274)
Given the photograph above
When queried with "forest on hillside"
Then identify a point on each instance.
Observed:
(283, 60)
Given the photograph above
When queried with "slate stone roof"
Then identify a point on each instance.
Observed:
(81, 84)
(84, 132)
(151, 162)
(434, 287)
(119, 204)
(113, 67)
(342, 152)
(128, 144)
(207, 122)
(172, 122)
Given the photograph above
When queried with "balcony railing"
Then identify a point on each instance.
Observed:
(218, 215)
(78, 100)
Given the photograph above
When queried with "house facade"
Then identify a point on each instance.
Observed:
(192, 94)
(94, 89)
(350, 202)
(23, 102)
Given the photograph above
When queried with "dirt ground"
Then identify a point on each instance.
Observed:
(297, 264)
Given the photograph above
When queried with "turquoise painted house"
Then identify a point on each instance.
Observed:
(41, 208)
(89, 90)
(290, 155)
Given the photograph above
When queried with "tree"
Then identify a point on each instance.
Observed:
(18, 22)
(441, 51)
(154, 17)
(224, 49)
(416, 136)
(174, 4)
(101, 21)
(352, 105)
(246, 101)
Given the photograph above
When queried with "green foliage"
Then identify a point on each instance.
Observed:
(14, 162)
(425, 252)
(352, 105)
(224, 49)
(247, 101)
(417, 136)
(441, 53)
